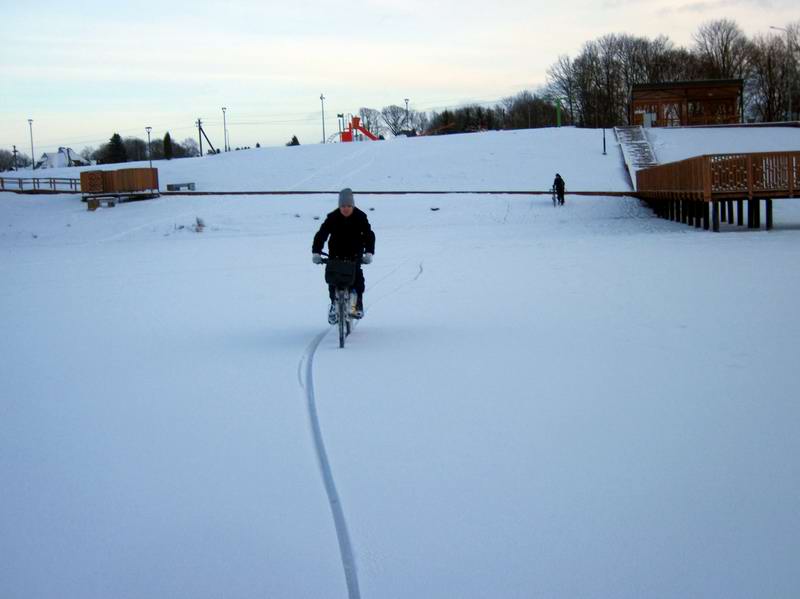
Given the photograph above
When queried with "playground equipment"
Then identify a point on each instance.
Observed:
(355, 125)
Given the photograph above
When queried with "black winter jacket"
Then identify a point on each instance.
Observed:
(350, 237)
(558, 183)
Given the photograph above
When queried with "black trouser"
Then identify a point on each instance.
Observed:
(358, 285)
(560, 193)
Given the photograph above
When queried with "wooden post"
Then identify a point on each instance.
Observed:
(757, 208)
(723, 209)
(769, 214)
(751, 215)
(715, 215)
(705, 209)
(698, 216)
(740, 212)
(730, 211)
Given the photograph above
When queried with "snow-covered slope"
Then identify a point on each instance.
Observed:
(495, 160)
(540, 402)
(679, 143)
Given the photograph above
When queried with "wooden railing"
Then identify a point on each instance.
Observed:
(723, 176)
(40, 184)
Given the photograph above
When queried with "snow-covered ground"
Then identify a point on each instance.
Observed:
(671, 144)
(540, 402)
(495, 160)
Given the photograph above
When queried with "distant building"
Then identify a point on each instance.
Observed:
(681, 103)
(64, 157)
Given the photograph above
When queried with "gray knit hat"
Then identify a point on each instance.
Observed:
(346, 197)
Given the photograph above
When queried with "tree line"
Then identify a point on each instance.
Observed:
(595, 86)
(132, 149)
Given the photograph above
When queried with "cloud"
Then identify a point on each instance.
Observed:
(702, 7)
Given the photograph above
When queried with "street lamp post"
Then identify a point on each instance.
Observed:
(149, 151)
(788, 71)
(322, 102)
(33, 156)
(15, 158)
(406, 99)
(224, 130)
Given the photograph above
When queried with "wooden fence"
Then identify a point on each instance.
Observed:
(723, 176)
(40, 184)
(701, 190)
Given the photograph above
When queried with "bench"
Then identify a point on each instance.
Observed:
(179, 186)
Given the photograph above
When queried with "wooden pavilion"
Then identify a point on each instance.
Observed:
(682, 103)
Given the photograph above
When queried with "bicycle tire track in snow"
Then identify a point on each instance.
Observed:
(306, 379)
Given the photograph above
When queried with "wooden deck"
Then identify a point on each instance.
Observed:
(701, 191)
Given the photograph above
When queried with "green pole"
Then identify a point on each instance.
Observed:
(558, 112)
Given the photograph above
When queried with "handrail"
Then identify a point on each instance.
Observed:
(39, 184)
(717, 176)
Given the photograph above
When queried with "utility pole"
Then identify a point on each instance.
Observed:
(15, 158)
(788, 71)
(406, 99)
(33, 156)
(149, 154)
(322, 101)
(200, 134)
(224, 130)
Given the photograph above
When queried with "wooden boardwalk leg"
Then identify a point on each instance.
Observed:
(757, 208)
(769, 214)
(730, 211)
(698, 219)
(715, 215)
(723, 210)
(751, 215)
(739, 212)
(705, 214)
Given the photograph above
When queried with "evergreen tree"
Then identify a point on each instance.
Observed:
(294, 141)
(115, 150)
(168, 146)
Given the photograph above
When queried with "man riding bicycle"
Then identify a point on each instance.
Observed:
(351, 238)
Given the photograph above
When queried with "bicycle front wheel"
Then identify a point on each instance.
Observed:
(342, 314)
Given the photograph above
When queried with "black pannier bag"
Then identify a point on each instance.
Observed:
(340, 273)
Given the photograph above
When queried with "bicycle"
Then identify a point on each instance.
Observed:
(342, 274)
(555, 199)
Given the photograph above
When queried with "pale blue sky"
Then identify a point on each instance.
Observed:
(85, 70)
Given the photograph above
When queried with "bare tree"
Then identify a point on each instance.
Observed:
(190, 147)
(723, 48)
(562, 84)
(394, 118)
(372, 120)
(768, 85)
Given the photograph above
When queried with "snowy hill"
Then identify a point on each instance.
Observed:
(495, 160)
(583, 401)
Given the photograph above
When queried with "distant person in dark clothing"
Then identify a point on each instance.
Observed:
(351, 238)
(558, 185)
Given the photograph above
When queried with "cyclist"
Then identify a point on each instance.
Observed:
(558, 186)
(351, 238)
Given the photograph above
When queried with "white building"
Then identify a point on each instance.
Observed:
(64, 157)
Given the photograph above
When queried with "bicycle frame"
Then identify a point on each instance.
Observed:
(345, 305)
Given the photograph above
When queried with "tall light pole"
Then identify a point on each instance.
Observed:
(224, 130)
(406, 99)
(322, 101)
(788, 71)
(149, 155)
(33, 156)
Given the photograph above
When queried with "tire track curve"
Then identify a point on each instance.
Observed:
(306, 380)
